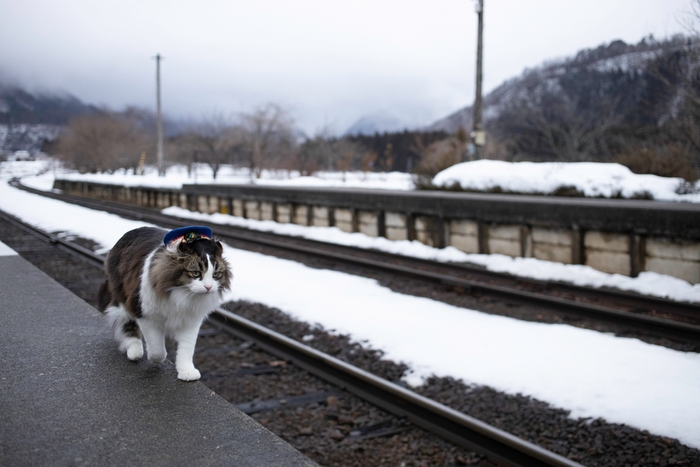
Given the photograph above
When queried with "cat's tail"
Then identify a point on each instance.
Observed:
(104, 297)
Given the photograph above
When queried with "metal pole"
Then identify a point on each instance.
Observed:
(478, 136)
(159, 120)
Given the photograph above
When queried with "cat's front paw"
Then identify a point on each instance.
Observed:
(156, 357)
(135, 351)
(188, 374)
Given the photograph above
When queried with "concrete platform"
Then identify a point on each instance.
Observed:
(68, 397)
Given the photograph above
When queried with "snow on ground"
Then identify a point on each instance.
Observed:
(178, 176)
(43, 182)
(647, 283)
(10, 169)
(591, 178)
(591, 374)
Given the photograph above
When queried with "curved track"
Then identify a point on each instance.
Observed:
(454, 426)
(658, 316)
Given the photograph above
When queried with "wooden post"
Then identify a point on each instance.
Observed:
(637, 254)
(381, 224)
(410, 226)
(483, 231)
(578, 248)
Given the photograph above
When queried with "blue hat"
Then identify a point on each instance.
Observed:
(189, 234)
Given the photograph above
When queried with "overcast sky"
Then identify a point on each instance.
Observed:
(329, 62)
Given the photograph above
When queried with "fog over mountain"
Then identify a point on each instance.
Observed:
(328, 63)
(17, 105)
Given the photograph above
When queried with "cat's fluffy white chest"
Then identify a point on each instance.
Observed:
(181, 309)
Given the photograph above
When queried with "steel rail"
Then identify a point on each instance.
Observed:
(448, 423)
(428, 414)
(623, 297)
(63, 244)
(659, 326)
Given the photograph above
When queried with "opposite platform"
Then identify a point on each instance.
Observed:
(68, 397)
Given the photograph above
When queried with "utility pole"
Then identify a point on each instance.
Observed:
(159, 120)
(478, 135)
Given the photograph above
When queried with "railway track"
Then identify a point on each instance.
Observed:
(670, 319)
(319, 427)
(456, 427)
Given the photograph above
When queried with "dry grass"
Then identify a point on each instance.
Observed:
(671, 160)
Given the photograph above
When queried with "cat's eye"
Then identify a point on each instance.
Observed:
(195, 274)
(218, 274)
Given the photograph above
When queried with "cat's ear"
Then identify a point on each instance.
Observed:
(220, 247)
(178, 246)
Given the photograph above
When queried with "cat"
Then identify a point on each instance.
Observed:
(160, 284)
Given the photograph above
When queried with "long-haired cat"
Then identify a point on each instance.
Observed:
(162, 284)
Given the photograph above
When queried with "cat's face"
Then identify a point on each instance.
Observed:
(202, 267)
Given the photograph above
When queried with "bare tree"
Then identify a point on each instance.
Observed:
(311, 154)
(348, 156)
(270, 137)
(556, 119)
(103, 142)
(215, 141)
(668, 144)
(325, 152)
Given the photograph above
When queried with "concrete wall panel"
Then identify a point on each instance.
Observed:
(504, 247)
(266, 213)
(607, 241)
(464, 227)
(301, 215)
(468, 244)
(552, 237)
(607, 261)
(686, 270)
(673, 249)
(549, 252)
(284, 213)
(394, 219)
(343, 215)
(238, 208)
(321, 218)
(396, 233)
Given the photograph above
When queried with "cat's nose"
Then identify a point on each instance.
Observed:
(208, 287)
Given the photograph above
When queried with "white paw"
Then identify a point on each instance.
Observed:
(134, 352)
(156, 357)
(188, 374)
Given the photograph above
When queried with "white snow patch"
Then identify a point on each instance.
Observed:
(593, 179)
(11, 169)
(57, 216)
(592, 374)
(647, 283)
(177, 176)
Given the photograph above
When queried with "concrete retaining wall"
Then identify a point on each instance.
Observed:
(616, 236)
